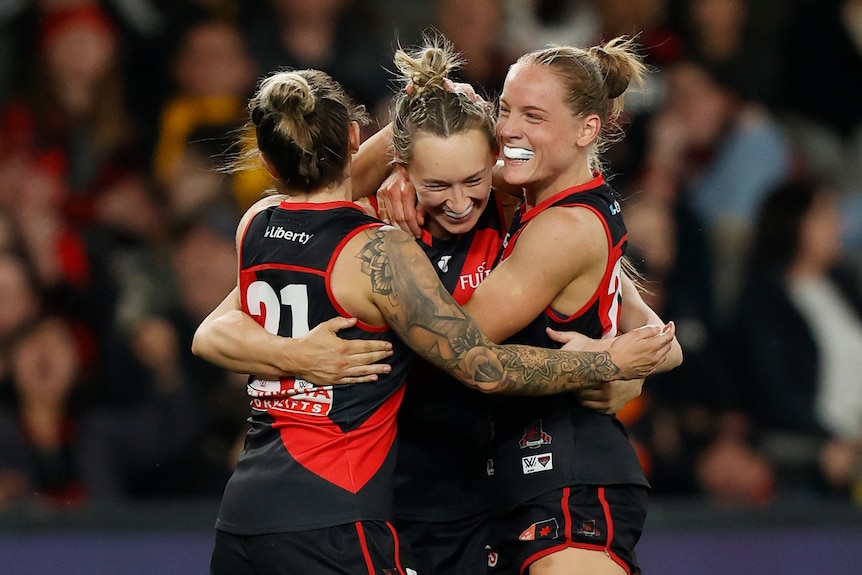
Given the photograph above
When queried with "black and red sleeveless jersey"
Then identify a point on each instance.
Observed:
(315, 456)
(544, 443)
(444, 426)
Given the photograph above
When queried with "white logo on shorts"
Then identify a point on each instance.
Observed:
(537, 463)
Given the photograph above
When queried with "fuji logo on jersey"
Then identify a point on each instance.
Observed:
(472, 281)
(280, 233)
(537, 463)
(443, 263)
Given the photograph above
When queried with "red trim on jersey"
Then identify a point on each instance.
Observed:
(426, 237)
(597, 181)
(363, 543)
(614, 253)
(348, 459)
(318, 206)
(375, 205)
(528, 214)
(328, 280)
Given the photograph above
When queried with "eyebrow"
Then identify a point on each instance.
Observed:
(527, 108)
(473, 176)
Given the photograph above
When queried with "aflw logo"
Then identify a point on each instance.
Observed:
(537, 463)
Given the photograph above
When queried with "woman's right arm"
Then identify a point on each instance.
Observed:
(233, 340)
(404, 287)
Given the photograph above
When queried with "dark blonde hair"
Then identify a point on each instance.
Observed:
(426, 105)
(594, 80)
(301, 122)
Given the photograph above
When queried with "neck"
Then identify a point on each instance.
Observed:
(336, 193)
(436, 230)
(541, 191)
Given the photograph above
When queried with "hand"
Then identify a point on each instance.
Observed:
(612, 396)
(396, 199)
(463, 88)
(575, 341)
(330, 360)
(639, 352)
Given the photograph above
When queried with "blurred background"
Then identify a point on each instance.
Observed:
(741, 175)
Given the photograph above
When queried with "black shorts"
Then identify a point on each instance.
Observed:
(608, 519)
(448, 547)
(370, 547)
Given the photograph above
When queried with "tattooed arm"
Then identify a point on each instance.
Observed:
(407, 292)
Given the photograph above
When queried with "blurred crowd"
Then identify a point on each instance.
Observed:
(741, 173)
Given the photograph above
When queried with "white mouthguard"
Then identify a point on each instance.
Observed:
(517, 153)
(463, 214)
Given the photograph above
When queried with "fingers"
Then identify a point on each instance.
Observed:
(397, 204)
(365, 362)
(560, 336)
(409, 209)
(650, 330)
(338, 323)
(366, 370)
(361, 350)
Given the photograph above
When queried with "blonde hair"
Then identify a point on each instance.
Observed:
(595, 80)
(426, 104)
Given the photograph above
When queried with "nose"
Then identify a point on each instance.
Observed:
(506, 128)
(459, 200)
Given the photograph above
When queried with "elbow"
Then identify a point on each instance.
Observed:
(199, 345)
(196, 347)
(676, 356)
(489, 387)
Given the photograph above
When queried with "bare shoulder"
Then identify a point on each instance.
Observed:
(383, 250)
(561, 228)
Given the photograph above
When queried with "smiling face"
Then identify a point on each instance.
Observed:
(543, 144)
(452, 177)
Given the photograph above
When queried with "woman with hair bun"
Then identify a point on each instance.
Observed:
(312, 490)
(571, 493)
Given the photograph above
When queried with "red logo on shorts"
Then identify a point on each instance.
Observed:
(588, 528)
(534, 436)
(546, 529)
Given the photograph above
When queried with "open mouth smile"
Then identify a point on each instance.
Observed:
(459, 216)
(517, 153)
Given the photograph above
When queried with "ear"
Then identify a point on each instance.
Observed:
(354, 137)
(589, 130)
(268, 165)
(402, 170)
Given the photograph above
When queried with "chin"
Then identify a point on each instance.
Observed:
(461, 227)
(514, 175)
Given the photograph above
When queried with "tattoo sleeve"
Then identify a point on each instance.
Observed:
(425, 316)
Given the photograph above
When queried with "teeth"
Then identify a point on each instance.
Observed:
(517, 153)
(463, 214)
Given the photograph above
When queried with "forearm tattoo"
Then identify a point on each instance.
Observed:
(426, 317)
